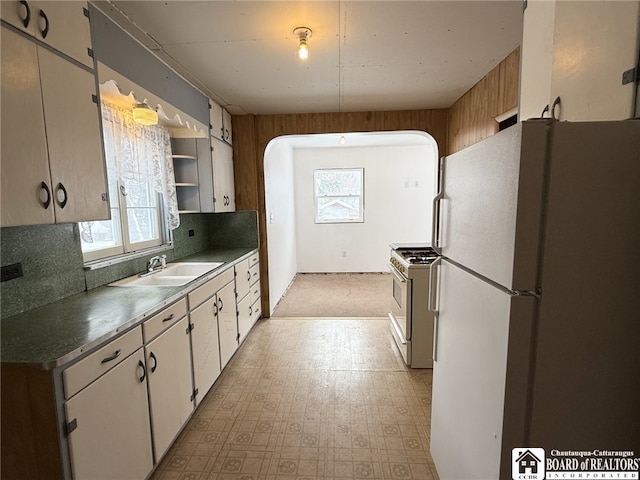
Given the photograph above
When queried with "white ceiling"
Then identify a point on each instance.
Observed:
(363, 55)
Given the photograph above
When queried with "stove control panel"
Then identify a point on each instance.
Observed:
(398, 265)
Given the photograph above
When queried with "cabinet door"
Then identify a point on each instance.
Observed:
(112, 438)
(223, 186)
(24, 148)
(215, 120)
(170, 388)
(244, 317)
(61, 25)
(243, 279)
(205, 346)
(226, 125)
(74, 140)
(227, 323)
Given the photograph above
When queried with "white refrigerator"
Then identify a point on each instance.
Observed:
(537, 296)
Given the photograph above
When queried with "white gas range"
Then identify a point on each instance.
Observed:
(410, 321)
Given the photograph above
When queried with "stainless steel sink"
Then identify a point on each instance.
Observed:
(173, 275)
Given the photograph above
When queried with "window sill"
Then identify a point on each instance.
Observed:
(106, 262)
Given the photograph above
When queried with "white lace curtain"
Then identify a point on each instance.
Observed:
(141, 153)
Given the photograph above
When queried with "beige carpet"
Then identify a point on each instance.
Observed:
(336, 295)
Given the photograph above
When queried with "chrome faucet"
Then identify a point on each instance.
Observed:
(155, 262)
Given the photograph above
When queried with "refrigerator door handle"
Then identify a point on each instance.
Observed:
(433, 302)
(436, 209)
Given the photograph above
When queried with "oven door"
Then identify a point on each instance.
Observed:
(400, 314)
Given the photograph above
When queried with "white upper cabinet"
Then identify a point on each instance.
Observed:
(215, 120)
(226, 127)
(578, 51)
(26, 183)
(61, 25)
(223, 178)
(220, 122)
(57, 176)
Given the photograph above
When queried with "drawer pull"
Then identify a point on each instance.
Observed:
(248, 276)
(27, 17)
(44, 31)
(152, 356)
(144, 371)
(115, 355)
(169, 318)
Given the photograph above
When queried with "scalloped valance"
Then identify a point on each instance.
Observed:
(119, 90)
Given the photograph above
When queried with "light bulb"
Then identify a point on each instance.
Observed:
(303, 50)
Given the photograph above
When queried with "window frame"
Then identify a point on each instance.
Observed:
(126, 249)
(361, 203)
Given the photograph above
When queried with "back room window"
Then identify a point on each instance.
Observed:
(339, 195)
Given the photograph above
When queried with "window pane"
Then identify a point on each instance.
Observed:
(338, 182)
(338, 208)
(100, 235)
(339, 195)
(143, 224)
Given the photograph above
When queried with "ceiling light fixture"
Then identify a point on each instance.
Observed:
(144, 114)
(303, 34)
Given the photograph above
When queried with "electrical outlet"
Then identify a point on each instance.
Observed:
(9, 272)
(192, 233)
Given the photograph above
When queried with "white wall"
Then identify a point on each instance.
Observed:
(280, 205)
(400, 183)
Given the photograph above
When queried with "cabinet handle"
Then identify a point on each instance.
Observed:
(226, 134)
(61, 201)
(45, 187)
(220, 304)
(250, 310)
(248, 276)
(45, 30)
(215, 309)
(144, 371)
(155, 362)
(115, 355)
(169, 318)
(27, 17)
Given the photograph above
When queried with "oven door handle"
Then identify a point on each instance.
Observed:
(396, 274)
(397, 328)
(434, 289)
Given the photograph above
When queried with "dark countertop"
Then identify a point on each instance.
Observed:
(54, 334)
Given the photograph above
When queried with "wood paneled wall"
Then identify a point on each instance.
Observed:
(252, 133)
(472, 116)
(469, 120)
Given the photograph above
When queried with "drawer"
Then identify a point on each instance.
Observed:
(255, 311)
(254, 274)
(255, 292)
(81, 374)
(163, 320)
(254, 259)
(210, 288)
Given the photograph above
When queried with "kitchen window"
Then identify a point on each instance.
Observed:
(141, 190)
(339, 195)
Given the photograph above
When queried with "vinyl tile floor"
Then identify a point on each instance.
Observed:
(310, 399)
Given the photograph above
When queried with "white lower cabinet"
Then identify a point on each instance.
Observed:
(110, 435)
(244, 317)
(227, 323)
(204, 346)
(168, 360)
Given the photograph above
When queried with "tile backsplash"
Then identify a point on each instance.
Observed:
(52, 263)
